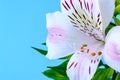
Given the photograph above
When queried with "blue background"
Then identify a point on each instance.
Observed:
(22, 25)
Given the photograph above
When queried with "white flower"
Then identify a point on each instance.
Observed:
(80, 29)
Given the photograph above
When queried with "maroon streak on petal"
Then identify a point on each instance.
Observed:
(98, 15)
(72, 4)
(74, 15)
(75, 65)
(71, 65)
(94, 61)
(65, 6)
(85, 4)
(98, 19)
(89, 70)
(88, 7)
(71, 18)
(91, 61)
(91, 6)
(80, 3)
(97, 60)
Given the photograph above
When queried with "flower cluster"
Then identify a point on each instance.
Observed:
(80, 29)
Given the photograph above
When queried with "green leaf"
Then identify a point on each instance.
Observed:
(117, 10)
(118, 76)
(101, 63)
(110, 26)
(117, 21)
(117, 2)
(103, 74)
(44, 44)
(66, 57)
(60, 68)
(43, 52)
(54, 75)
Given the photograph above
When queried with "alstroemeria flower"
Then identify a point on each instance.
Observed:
(80, 29)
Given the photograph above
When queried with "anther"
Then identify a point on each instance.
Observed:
(84, 45)
(82, 50)
(93, 54)
(99, 53)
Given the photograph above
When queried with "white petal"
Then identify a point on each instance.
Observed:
(82, 66)
(112, 48)
(85, 15)
(63, 39)
(107, 10)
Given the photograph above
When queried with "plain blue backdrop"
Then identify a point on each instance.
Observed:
(22, 25)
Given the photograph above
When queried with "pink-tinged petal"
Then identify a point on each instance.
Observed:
(82, 66)
(56, 35)
(106, 11)
(112, 48)
(63, 39)
(85, 16)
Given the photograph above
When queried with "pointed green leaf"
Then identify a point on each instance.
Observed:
(118, 76)
(43, 52)
(117, 2)
(110, 26)
(44, 44)
(66, 57)
(117, 21)
(60, 68)
(103, 74)
(54, 75)
(117, 10)
(101, 63)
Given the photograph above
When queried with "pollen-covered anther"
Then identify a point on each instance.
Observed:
(82, 50)
(99, 53)
(84, 45)
(93, 53)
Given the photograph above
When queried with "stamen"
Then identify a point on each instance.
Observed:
(99, 53)
(82, 50)
(84, 45)
(93, 53)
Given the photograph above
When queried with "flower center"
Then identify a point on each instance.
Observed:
(84, 17)
(92, 50)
